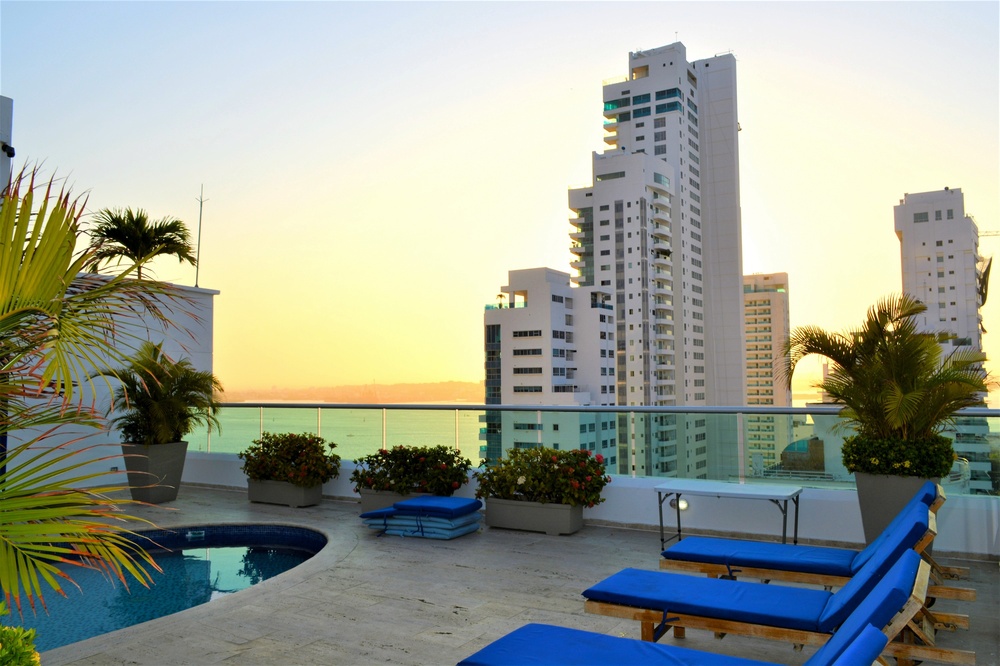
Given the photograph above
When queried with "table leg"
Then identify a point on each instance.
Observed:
(795, 538)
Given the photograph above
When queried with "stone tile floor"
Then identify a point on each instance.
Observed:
(390, 600)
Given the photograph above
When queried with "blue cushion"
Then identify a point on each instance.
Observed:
(435, 505)
(864, 650)
(425, 532)
(544, 645)
(849, 597)
(427, 521)
(924, 497)
(773, 605)
(429, 505)
(885, 600)
(766, 555)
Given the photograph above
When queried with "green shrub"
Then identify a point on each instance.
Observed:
(301, 460)
(545, 475)
(439, 470)
(930, 458)
(17, 646)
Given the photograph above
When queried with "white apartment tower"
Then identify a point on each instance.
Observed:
(660, 229)
(941, 264)
(939, 253)
(766, 322)
(548, 343)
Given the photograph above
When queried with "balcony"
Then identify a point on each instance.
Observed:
(365, 599)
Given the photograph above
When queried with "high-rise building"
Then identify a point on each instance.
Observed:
(941, 264)
(548, 343)
(6, 151)
(766, 322)
(660, 226)
(939, 253)
(658, 231)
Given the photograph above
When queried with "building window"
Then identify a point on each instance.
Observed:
(527, 352)
(920, 217)
(641, 113)
(557, 299)
(620, 174)
(659, 122)
(527, 334)
(527, 371)
(659, 150)
(937, 215)
(951, 214)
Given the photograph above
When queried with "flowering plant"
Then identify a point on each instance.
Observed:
(439, 470)
(930, 458)
(301, 460)
(545, 475)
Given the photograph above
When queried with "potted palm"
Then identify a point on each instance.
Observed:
(898, 391)
(161, 401)
(383, 477)
(289, 468)
(542, 489)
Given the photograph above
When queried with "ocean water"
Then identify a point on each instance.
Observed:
(357, 432)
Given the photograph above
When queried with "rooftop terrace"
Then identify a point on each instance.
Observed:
(366, 599)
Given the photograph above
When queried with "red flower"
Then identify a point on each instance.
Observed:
(455, 484)
(588, 478)
(599, 458)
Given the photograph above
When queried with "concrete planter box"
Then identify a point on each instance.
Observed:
(553, 519)
(373, 500)
(154, 470)
(882, 497)
(282, 492)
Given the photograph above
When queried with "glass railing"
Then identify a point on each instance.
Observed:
(800, 445)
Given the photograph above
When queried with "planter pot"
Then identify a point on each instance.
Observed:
(282, 492)
(553, 519)
(373, 500)
(154, 470)
(882, 497)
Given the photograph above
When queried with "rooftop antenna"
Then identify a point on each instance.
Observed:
(197, 252)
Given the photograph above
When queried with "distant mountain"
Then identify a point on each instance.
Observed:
(471, 392)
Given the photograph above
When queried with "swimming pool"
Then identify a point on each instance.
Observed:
(203, 563)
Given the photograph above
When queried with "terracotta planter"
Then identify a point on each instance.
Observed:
(282, 492)
(553, 519)
(373, 500)
(154, 470)
(882, 497)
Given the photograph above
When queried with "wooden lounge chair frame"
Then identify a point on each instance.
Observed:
(910, 632)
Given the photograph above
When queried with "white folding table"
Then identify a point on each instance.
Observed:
(778, 494)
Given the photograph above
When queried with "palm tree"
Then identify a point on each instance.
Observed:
(893, 380)
(56, 326)
(163, 399)
(127, 234)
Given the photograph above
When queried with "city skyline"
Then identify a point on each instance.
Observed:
(372, 171)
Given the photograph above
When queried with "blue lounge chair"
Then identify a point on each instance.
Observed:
(662, 601)
(817, 565)
(548, 645)
(857, 641)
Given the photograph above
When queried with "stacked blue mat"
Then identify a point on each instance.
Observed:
(431, 517)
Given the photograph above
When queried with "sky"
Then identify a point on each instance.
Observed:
(372, 170)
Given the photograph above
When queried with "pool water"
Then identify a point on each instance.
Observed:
(191, 576)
